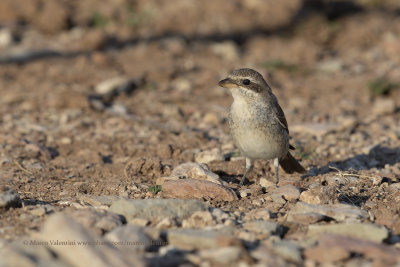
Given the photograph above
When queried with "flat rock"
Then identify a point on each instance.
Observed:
(166, 223)
(223, 256)
(262, 227)
(287, 192)
(258, 214)
(196, 171)
(42, 210)
(266, 256)
(161, 180)
(306, 218)
(131, 236)
(193, 188)
(9, 198)
(363, 231)
(99, 222)
(199, 219)
(98, 201)
(339, 212)
(287, 250)
(333, 248)
(28, 254)
(326, 255)
(311, 196)
(150, 209)
(190, 239)
(68, 234)
(264, 182)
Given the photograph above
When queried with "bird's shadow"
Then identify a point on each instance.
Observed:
(377, 157)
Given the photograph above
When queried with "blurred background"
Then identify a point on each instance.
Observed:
(104, 97)
(191, 44)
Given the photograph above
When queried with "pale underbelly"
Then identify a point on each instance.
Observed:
(259, 145)
(255, 130)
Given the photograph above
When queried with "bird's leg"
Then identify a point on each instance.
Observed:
(249, 165)
(276, 165)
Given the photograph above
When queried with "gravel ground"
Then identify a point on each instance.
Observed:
(111, 119)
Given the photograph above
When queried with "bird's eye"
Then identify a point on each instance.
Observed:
(246, 81)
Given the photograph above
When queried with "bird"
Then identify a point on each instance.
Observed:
(257, 123)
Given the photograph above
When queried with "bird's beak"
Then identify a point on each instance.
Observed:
(227, 83)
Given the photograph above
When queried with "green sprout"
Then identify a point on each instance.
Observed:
(155, 189)
(235, 154)
(98, 20)
(381, 86)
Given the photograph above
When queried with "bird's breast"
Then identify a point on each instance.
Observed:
(256, 132)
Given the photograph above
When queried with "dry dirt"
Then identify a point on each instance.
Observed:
(334, 66)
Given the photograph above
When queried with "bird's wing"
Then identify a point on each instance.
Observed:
(280, 117)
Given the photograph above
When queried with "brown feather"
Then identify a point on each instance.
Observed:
(290, 165)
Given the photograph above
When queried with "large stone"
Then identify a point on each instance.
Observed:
(100, 222)
(130, 238)
(333, 247)
(306, 218)
(196, 171)
(150, 209)
(387, 218)
(193, 188)
(326, 255)
(262, 227)
(41, 210)
(287, 192)
(339, 212)
(363, 231)
(98, 201)
(266, 256)
(264, 182)
(199, 219)
(311, 196)
(9, 198)
(191, 239)
(258, 214)
(224, 255)
(80, 247)
(287, 250)
(28, 253)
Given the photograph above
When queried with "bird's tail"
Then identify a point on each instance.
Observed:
(290, 164)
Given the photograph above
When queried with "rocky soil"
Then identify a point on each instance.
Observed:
(115, 148)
